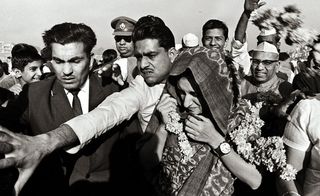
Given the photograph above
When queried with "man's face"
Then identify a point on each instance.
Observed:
(214, 38)
(153, 61)
(316, 53)
(264, 66)
(71, 64)
(32, 72)
(124, 45)
(189, 97)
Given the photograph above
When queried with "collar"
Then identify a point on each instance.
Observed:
(84, 88)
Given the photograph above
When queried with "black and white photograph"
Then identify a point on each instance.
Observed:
(160, 98)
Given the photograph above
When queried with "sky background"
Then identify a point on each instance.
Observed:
(26, 20)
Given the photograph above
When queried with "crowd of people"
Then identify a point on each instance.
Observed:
(153, 119)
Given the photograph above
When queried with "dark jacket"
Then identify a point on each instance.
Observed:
(42, 107)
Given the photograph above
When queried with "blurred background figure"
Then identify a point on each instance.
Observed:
(190, 40)
(108, 57)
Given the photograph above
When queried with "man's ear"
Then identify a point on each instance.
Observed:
(17, 73)
(173, 53)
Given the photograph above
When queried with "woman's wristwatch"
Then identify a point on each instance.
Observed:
(224, 148)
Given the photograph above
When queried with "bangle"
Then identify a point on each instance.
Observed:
(290, 193)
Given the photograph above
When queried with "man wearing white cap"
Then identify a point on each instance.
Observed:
(264, 66)
(239, 46)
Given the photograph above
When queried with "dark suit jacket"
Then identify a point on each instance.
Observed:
(42, 107)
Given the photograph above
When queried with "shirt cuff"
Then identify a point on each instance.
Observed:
(238, 45)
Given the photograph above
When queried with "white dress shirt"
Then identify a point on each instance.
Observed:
(83, 96)
(120, 106)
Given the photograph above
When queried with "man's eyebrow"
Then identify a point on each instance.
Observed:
(69, 60)
(75, 58)
(150, 53)
(57, 59)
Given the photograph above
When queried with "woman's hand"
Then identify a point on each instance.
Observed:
(166, 105)
(201, 129)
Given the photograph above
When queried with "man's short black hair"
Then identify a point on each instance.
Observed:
(65, 33)
(215, 24)
(151, 27)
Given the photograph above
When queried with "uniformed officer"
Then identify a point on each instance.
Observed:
(123, 27)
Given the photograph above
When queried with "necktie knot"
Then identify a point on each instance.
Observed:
(75, 92)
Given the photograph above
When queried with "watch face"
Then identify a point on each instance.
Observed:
(225, 148)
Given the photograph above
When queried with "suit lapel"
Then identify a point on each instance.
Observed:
(95, 92)
(60, 103)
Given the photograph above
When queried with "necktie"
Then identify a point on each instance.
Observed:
(76, 104)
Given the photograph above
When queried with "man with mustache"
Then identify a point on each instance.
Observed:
(155, 52)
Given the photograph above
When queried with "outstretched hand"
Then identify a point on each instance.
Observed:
(23, 152)
(251, 5)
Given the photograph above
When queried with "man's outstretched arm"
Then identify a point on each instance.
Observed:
(26, 152)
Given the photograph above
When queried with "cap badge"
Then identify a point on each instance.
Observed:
(122, 26)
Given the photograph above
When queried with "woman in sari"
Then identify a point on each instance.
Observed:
(201, 89)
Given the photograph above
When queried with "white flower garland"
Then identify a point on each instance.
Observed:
(176, 127)
(266, 151)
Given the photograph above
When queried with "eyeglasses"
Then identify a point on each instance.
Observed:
(125, 38)
(266, 63)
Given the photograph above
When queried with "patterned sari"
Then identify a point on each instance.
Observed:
(204, 173)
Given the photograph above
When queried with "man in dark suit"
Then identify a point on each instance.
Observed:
(45, 105)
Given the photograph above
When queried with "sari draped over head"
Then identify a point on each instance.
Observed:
(204, 173)
(213, 78)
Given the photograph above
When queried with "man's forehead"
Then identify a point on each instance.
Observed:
(215, 32)
(68, 51)
(68, 46)
(147, 45)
